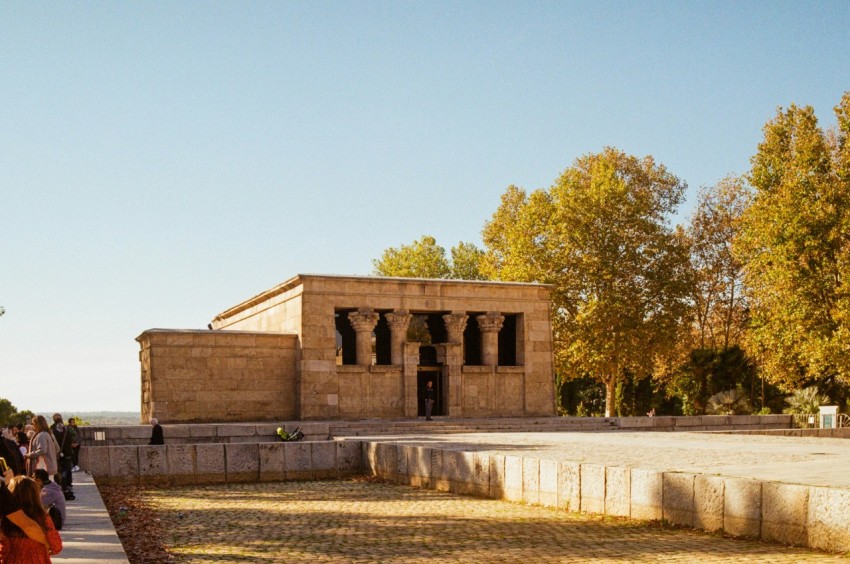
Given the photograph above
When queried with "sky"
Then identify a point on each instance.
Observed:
(163, 161)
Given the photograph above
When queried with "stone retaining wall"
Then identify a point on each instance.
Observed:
(216, 463)
(841, 433)
(810, 516)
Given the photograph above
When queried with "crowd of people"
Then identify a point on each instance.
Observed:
(38, 463)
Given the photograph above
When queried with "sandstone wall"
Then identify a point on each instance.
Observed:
(306, 305)
(194, 376)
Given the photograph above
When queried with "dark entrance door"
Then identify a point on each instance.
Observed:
(423, 376)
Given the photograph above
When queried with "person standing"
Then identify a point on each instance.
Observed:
(43, 450)
(66, 454)
(75, 443)
(429, 400)
(157, 438)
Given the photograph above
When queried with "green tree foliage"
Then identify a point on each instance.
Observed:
(728, 402)
(600, 235)
(719, 305)
(426, 259)
(9, 414)
(806, 401)
(795, 242)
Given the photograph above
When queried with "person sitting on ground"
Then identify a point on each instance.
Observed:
(157, 437)
(32, 539)
(51, 494)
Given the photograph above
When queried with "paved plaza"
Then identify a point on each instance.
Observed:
(809, 461)
(356, 521)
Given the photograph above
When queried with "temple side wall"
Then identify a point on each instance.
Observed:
(196, 376)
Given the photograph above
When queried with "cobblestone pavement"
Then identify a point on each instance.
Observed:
(358, 521)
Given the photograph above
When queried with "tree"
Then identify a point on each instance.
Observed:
(421, 259)
(795, 243)
(425, 259)
(9, 414)
(719, 305)
(806, 401)
(600, 235)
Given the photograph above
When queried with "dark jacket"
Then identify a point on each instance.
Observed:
(157, 437)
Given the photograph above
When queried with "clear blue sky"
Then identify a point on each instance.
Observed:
(162, 161)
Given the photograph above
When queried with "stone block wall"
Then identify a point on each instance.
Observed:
(222, 462)
(196, 376)
(816, 517)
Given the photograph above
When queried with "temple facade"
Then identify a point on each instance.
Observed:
(351, 347)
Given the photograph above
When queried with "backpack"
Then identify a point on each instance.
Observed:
(55, 516)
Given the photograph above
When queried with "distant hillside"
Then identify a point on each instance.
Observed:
(102, 417)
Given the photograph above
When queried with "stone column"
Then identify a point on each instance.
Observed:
(399, 321)
(455, 324)
(490, 324)
(363, 320)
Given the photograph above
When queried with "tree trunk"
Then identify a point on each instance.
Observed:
(609, 397)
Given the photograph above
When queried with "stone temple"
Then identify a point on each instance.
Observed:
(351, 347)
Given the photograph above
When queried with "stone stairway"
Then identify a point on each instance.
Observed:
(370, 428)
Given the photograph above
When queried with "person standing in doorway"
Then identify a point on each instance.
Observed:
(157, 437)
(429, 400)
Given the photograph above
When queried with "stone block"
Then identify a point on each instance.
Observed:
(181, 463)
(463, 480)
(531, 481)
(708, 503)
(439, 472)
(298, 461)
(387, 459)
(370, 457)
(617, 491)
(153, 465)
(349, 457)
(569, 486)
(480, 474)
(678, 498)
(235, 430)
(123, 464)
(513, 478)
(419, 467)
(497, 476)
(784, 513)
(742, 507)
(323, 455)
(829, 519)
(242, 462)
(646, 494)
(548, 483)
(95, 460)
(209, 460)
(202, 431)
(403, 464)
(592, 488)
(272, 466)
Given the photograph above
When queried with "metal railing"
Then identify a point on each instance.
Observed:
(815, 421)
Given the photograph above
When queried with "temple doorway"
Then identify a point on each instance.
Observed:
(429, 370)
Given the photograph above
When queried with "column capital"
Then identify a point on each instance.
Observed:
(399, 320)
(491, 321)
(363, 320)
(455, 325)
